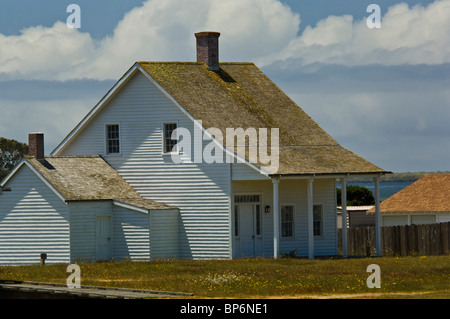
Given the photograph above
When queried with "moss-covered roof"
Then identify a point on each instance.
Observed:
(89, 178)
(240, 95)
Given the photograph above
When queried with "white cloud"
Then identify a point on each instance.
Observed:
(407, 36)
(158, 30)
(45, 53)
(261, 31)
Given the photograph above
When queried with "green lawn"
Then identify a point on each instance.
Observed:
(401, 277)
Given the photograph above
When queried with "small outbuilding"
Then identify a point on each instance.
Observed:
(78, 208)
(356, 216)
(426, 201)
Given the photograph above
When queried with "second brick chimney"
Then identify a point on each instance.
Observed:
(36, 145)
(208, 49)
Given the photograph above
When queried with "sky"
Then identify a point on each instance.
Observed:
(383, 93)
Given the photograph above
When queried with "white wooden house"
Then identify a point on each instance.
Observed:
(233, 206)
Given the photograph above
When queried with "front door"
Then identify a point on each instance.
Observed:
(247, 235)
(103, 237)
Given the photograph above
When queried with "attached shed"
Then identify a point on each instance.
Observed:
(78, 208)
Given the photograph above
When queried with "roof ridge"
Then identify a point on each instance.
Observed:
(193, 63)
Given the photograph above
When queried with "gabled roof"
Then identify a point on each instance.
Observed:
(240, 95)
(431, 193)
(89, 178)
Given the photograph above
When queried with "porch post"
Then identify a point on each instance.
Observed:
(310, 199)
(344, 217)
(377, 216)
(276, 219)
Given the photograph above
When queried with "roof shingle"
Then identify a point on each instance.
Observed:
(240, 95)
(87, 178)
(431, 193)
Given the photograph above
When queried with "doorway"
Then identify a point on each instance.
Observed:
(248, 230)
(104, 251)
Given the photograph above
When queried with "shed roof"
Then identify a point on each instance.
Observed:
(88, 178)
(431, 193)
(240, 95)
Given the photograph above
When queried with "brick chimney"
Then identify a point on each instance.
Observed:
(36, 145)
(208, 49)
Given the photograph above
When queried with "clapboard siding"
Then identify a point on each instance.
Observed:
(325, 195)
(83, 232)
(33, 220)
(243, 172)
(200, 191)
(294, 192)
(131, 234)
(164, 237)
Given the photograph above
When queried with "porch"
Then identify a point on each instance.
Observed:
(290, 215)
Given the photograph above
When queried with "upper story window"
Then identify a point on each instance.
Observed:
(169, 144)
(112, 139)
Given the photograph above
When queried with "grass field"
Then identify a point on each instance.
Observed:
(401, 277)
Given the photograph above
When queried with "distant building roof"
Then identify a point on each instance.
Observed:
(431, 193)
(86, 178)
(362, 208)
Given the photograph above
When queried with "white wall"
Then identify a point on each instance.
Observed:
(131, 234)
(145, 236)
(83, 231)
(417, 218)
(164, 235)
(33, 220)
(201, 191)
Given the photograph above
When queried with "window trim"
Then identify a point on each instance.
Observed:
(107, 139)
(163, 136)
(292, 237)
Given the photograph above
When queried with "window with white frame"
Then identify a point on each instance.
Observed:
(287, 221)
(169, 144)
(112, 139)
(317, 220)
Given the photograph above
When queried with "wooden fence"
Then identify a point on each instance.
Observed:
(421, 240)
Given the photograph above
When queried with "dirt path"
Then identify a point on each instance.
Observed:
(373, 295)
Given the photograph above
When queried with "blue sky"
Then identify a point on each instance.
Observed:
(383, 93)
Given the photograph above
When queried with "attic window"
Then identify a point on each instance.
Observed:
(169, 143)
(112, 139)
